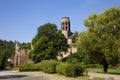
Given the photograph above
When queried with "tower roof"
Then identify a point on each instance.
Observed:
(65, 19)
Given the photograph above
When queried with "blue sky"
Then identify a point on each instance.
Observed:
(19, 19)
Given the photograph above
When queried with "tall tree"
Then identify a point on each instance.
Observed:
(4, 54)
(47, 43)
(102, 40)
(7, 49)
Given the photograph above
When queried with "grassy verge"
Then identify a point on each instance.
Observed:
(100, 70)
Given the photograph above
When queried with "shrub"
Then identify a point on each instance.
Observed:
(71, 70)
(30, 67)
(61, 68)
(49, 66)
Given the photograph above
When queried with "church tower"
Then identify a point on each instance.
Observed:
(65, 27)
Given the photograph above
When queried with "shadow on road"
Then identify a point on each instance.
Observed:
(12, 76)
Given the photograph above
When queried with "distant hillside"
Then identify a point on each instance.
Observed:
(7, 45)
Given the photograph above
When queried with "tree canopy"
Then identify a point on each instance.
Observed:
(7, 50)
(47, 43)
(25, 45)
(102, 40)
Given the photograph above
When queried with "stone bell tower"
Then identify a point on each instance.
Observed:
(65, 27)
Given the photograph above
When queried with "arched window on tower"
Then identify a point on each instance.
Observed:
(63, 24)
(66, 28)
(66, 23)
(62, 28)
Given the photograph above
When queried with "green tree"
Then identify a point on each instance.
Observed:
(102, 40)
(25, 46)
(7, 50)
(4, 54)
(47, 43)
(49, 30)
(61, 42)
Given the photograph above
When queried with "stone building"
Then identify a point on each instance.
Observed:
(65, 27)
(21, 55)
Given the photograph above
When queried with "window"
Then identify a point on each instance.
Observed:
(66, 28)
(66, 23)
(62, 28)
(63, 24)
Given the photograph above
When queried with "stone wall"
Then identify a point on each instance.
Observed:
(21, 55)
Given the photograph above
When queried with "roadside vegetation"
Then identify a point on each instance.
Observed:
(52, 66)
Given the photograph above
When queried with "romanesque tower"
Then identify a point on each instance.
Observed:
(65, 27)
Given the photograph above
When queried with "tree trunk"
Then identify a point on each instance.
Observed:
(105, 67)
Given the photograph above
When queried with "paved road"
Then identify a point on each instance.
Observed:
(15, 75)
(106, 76)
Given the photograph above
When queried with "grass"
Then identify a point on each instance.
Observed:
(100, 70)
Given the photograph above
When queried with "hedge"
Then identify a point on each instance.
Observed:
(30, 67)
(71, 70)
(49, 66)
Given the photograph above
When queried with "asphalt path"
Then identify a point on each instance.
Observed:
(106, 76)
(16, 75)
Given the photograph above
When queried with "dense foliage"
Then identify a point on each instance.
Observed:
(7, 45)
(25, 45)
(47, 43)
(49, 66)
(30, 67)
(52, 66)
(101, 43)
(7, 49)
(72, 70)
